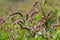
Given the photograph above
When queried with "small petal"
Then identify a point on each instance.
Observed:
(39, 33)
(36, 36)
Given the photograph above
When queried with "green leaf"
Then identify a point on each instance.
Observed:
(36, 17)
(3, 36)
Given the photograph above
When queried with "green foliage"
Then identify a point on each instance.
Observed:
(36, 17)
(3, 35)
